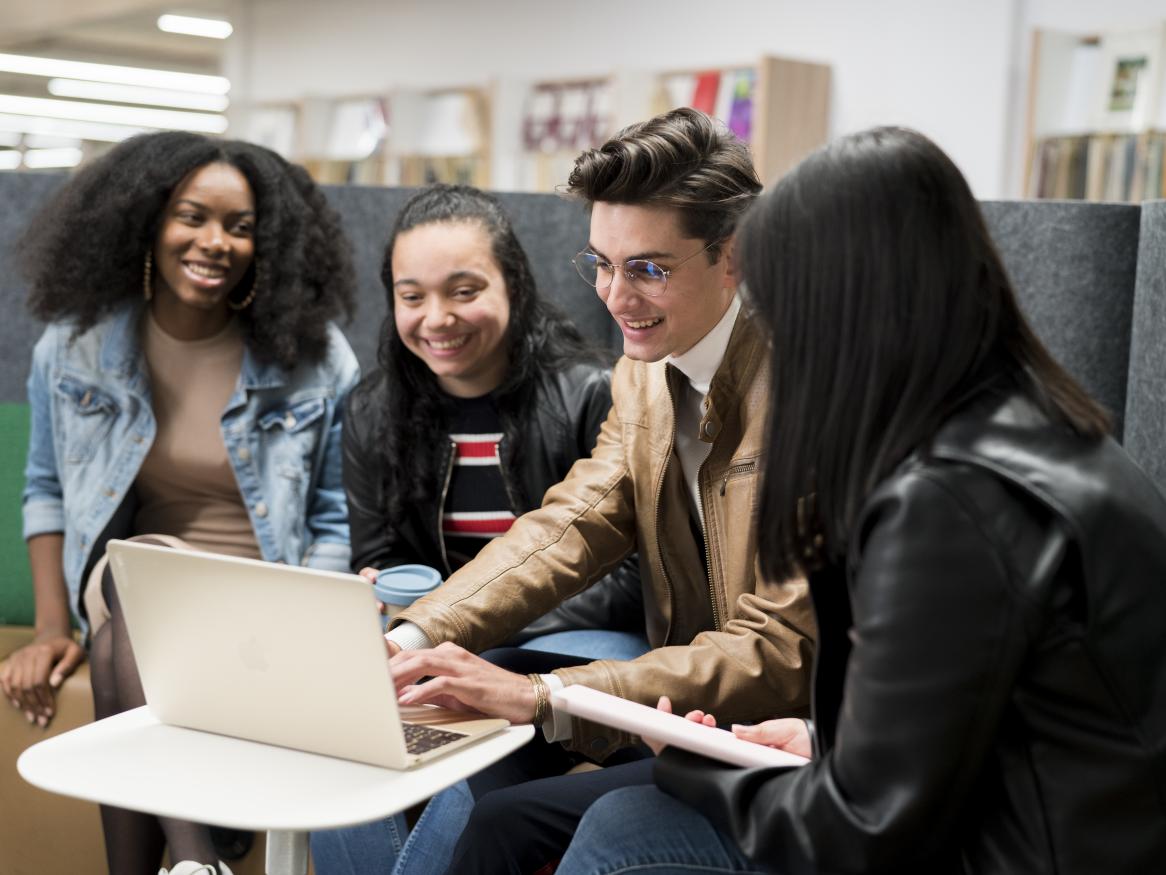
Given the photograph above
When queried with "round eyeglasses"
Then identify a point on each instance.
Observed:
(646, 277)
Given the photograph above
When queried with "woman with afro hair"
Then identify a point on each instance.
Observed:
(189, 389)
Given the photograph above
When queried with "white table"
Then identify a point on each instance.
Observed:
(133, 761)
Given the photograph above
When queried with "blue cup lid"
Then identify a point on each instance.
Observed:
(404, 584)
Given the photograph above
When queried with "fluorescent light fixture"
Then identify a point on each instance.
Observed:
(137, 94)
(41, 159)
(118, 115)
(214, 28)
(53, 127)
(33, 66)
(40, 141)
(9, 159)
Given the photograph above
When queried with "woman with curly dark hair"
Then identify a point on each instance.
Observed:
(189, 388)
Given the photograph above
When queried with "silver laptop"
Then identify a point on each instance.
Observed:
(274, 653)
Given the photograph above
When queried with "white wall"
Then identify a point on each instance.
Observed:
(1094, 16)
(946, 67)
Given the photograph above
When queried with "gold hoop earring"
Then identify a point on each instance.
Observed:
(148, 277)
(246, 302)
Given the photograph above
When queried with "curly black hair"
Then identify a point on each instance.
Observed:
(410, 410)
(84, 251)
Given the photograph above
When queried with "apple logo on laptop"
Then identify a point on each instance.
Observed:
(251, 653)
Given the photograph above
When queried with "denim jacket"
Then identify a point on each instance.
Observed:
(92, 425)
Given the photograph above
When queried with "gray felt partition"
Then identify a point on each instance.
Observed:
(1145, 433)
(1074, 265)
(20, 196)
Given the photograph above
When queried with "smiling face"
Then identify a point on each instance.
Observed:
(451, 305)
(697, 295)
(204, 247)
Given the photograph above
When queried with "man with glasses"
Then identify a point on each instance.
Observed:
(675, 473)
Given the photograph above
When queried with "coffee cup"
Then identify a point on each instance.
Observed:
(400, 586)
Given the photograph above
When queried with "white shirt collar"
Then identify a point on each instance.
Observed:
(700, 363)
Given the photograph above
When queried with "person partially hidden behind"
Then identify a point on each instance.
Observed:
(189, 389)
(987, 566)
(674, 472)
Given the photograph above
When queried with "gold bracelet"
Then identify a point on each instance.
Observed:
(542, 699)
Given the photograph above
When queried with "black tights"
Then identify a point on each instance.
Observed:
(134, 841)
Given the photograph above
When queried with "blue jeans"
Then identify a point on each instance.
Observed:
(387, 846)
(643, 830)
(591, 644)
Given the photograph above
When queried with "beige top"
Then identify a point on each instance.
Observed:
(186, 486)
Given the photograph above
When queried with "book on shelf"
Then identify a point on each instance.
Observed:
(1100, 167)
(704, 96)
(727, 95)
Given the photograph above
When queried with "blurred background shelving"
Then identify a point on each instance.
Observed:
(1097, 116)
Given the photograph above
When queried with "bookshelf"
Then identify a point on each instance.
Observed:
(792, 116)
(403, 138)
(781, 107)
(558, 120)
(1096, 124)
(439, 136)
(525, 136)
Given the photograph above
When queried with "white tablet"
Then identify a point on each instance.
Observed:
(720, 744)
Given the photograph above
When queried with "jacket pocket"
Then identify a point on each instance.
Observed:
(89, 413)
(293, 418)
(736, 470)
(291, 433)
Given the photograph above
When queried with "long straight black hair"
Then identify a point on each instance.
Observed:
(412, 413)
(889, 309)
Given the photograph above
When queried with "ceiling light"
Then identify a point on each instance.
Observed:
(214, 28)
(40, 141)
(9, 159)
(40, 159)
(137, 94)
(118, 115)
(53, 127)
(34, 66)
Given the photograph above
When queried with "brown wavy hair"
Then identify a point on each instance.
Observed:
(681, 159)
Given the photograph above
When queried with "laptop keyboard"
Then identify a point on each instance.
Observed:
(420, 738)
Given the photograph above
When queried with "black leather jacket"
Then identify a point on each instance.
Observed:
(561, 426)
(990, 691)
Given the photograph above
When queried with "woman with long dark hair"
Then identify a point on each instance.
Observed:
(189, 390)
(986, 565)
(485, 398)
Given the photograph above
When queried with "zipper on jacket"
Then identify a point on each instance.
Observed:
(441, 507)
(742, 468)
(514, 506)
(708, 558)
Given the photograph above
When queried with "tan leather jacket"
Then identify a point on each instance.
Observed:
(727, 641)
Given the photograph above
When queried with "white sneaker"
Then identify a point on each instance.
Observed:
(190, 867)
